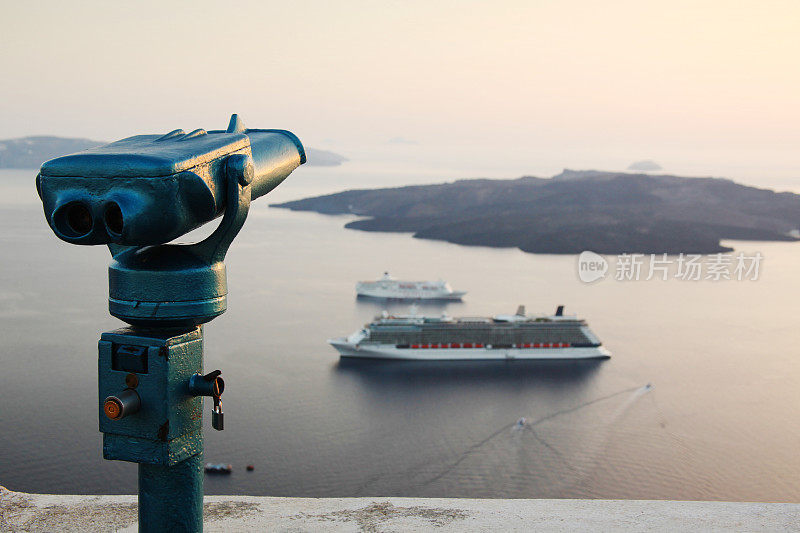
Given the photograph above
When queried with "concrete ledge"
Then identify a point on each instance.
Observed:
(44, 512)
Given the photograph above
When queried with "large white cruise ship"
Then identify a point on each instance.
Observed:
(389, 288)
(515, 336)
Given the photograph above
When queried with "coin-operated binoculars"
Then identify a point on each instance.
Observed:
(136, 195)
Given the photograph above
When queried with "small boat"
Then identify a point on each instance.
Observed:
(218, 468)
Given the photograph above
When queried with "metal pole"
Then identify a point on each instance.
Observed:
(171, 497)
(153, 387)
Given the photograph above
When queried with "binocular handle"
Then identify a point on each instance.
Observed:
(239, 174)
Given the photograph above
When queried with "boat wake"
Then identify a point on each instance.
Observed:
(638, 393)
(522, 425)
(517, 460)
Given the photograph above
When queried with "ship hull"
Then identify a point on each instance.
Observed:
(347, 349)
(395, 297)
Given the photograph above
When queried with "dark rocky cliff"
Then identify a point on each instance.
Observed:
(574, 211)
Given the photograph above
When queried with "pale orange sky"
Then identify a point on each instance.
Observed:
(502, 87)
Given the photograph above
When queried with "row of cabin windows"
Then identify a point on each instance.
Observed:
(572, 336)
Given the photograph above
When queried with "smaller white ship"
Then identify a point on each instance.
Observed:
(389, 288)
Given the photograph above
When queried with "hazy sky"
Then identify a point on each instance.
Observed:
(502, 87)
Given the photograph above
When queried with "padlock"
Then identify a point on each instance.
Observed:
(217, 416)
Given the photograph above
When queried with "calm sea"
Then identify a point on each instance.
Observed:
(721, 420)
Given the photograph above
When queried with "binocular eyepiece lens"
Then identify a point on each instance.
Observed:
(113, 219)
(74, 220)
(79, 219)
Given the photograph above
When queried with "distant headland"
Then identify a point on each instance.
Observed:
(606, 212)
(31, 152)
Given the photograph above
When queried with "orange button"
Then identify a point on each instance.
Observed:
(112, 408)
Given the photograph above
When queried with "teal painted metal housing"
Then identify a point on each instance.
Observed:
(181, 285)
(136, 195)
(139, 193)
(168, 425)
(151, 189)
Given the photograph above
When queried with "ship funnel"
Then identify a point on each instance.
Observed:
(560, 310)
(521, 310)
